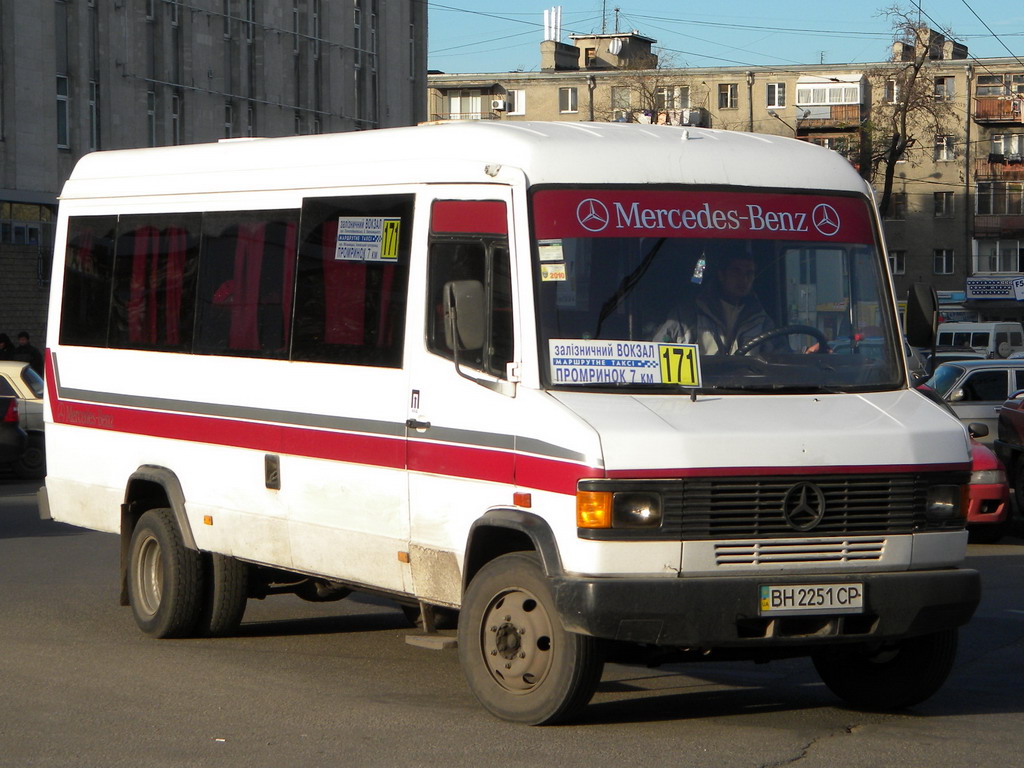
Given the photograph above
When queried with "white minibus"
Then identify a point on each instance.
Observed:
(571, 383)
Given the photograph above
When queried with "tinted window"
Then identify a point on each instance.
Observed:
(246, 277)
(154, 282)
(88, 274)
(984, 386)
(351, 282)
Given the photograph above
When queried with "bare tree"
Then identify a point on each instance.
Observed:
(908, 109)
(647, 94)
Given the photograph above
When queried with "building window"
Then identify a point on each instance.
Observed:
(151, 117)
(250, 20)
(943, 261)
(898, 205)
(898, 262)
(590, 56)
(567, 100)
(621, 108)
(945, 148)
(892, 91)
(944, 88)
(63, 137)
(943, 205)
(998, 256)
(226, 13)
(989, 85)
(413, 61)
(173, 12)
(776, 95)
(665, 99)
(463, 104)
(1000, 198)
(515, 102)
(316, 28)
(94, 115)
(150, 10)
(728, 95)
(250, 121)
(229, 120)
(827, 94)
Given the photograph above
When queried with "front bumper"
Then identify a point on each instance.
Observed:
(723, 612)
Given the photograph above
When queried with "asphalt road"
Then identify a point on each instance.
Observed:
(338, 685)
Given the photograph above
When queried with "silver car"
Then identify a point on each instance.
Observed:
(976, 389)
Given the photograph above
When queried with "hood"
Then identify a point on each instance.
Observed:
(888, 429)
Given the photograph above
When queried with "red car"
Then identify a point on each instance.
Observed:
(988, 509)
(988, 506)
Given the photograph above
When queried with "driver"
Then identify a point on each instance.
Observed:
(725, 315)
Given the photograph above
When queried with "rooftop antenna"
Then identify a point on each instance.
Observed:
(553, 23)
(604, 13)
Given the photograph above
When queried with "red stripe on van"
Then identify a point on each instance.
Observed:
(469, 216)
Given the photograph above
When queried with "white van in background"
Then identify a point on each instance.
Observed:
(994, 339)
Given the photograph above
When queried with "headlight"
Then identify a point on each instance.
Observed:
(943, 503)
(988, 477)
(636, 510)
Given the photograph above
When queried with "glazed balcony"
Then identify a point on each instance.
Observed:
(997, 109)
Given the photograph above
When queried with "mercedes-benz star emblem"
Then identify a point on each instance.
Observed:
(803, 506)
(825, 219)
(592, 215)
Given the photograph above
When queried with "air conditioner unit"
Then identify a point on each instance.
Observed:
(498, 105)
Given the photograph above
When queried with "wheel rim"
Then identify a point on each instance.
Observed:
(516, 640)
(149, 576)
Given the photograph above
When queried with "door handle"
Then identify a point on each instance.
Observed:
(417, 424)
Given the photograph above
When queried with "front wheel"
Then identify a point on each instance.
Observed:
(165, 578)
(891, 677)
(518, 660)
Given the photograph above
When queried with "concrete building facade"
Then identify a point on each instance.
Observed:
(84, 75)
(956, 214)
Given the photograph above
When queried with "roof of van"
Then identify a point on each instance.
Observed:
(468, 151)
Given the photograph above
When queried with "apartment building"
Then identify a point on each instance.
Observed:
(84, 75)
(955, 218)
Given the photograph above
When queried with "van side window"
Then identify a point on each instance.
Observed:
(352, 275)
(154, 282)
(88, 272)
(246, 278)
(469, 256)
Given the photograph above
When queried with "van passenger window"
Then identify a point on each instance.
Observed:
(351, 280)
(154, 282)
(246, 278)
(88, 275)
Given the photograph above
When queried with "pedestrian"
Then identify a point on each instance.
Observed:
(6, 347)
(26, 353)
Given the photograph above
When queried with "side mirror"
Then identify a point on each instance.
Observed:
(956, 395)
(464, 318)
(977, 429)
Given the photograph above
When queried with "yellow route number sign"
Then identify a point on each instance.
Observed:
(680, 364)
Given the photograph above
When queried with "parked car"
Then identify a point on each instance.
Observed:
(875, 347)
(948, 354)
(976, 389)
(19, 381)
(988, 505)
(12, 436)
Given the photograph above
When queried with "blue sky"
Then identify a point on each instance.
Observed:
(505, 35)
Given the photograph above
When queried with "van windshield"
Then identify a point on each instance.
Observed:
(711, 290)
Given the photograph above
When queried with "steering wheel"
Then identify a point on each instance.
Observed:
(785, 330)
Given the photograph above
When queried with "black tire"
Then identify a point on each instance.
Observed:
(227, 591)
(518, 660)
(165, 578)
(896, 676)
(31, 465)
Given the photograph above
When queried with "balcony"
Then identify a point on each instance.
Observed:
(993, 225)
(446, 116)
(997, 109)
(836, 116)
(993, 167)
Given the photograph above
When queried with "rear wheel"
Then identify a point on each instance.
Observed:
(227, 590)
(893, 676)
(165, 578)
(31, 465)
(518, 660)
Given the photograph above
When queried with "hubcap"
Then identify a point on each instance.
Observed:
(515, 639)
(149, 576)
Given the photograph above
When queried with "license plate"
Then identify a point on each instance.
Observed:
(797, 599)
